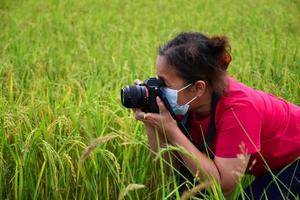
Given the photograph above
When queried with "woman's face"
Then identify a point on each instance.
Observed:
(169, 75)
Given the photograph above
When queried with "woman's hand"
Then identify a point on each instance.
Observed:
(163, 120)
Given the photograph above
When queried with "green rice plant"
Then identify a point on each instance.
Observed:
(64, 133)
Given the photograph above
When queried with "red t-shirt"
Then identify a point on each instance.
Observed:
(253, 122)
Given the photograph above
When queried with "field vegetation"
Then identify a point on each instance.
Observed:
(64, 133)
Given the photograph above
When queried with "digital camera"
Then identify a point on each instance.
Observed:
(143, 95)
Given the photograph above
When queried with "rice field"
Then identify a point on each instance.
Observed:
(64, 133)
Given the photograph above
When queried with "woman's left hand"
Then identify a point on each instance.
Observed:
(163, 120)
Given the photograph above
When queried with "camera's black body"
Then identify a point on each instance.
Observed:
(143, 95)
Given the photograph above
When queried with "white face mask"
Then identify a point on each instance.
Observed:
(172, 96)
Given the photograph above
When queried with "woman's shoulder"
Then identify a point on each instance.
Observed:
(236, 88)
(237, 93)
(240, 97)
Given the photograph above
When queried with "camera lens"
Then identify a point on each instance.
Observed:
(134, 96)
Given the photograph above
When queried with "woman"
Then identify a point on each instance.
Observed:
(253, 132)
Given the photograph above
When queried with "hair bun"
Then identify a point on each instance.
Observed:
(219, 45)
(219, 42)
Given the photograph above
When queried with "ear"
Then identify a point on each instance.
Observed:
(200, 87)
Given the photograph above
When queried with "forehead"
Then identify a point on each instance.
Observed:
(167, 72)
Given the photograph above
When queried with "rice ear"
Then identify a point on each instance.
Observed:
(96, 142)
(190, 193)
(129, 188)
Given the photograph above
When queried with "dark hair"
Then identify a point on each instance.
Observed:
(198, 57)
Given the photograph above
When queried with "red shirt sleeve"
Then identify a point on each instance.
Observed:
(238, 130)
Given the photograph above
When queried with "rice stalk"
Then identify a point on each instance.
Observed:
(129, 188)
(195, 190)
(96, 142)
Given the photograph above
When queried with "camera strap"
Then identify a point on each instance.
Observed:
(185, 173)
(211, 131)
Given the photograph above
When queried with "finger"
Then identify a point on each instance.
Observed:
(152, 118)
(137, 81)
(134, 110)
(144, 117)
(139, 114)
(161, 105)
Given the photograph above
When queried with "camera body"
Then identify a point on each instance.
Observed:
(143, 95)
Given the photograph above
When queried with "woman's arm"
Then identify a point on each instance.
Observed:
(227, 171)
(197, 162)
(157, 141)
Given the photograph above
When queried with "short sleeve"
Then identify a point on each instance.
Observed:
(238, 130)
